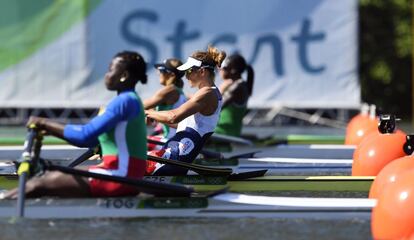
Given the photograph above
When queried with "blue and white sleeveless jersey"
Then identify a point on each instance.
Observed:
(189, 139)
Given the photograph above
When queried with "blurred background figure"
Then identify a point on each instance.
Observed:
(236, 92)
(170, 96)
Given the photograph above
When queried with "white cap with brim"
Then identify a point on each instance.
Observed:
(191, 62)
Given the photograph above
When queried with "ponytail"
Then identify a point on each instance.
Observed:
(250, 78)
(179, 83)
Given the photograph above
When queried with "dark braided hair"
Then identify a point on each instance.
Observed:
(135, 65)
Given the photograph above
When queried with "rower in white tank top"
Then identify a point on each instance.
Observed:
(200, 123)
(189, 139)
(197, 118)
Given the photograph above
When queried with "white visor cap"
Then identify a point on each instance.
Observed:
(191, 62)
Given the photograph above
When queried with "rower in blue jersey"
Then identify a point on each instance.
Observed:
(120, 130)
(196, 119)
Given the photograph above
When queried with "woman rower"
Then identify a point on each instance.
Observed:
(169, 97)
(236, 93)
(196, 119)
(119, 128)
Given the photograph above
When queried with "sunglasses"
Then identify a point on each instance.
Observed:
(164, 70)
(190, 70)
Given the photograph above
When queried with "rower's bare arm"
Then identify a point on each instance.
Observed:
(196, 104)
(172, 125)
(160, 97)
(51, 127)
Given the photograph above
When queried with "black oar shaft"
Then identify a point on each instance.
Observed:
(155, 188)
(82, 158)
(230, 139)
(21, 195)
(24, 167)
(202, 170)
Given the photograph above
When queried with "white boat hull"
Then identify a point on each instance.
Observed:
(321, 151)
(224, 205)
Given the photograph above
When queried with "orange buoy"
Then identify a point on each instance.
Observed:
(356, 133)
(378, 149)
(393, 216)
(390, 173)
(360, 126)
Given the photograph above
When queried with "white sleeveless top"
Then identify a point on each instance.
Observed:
(200, 123)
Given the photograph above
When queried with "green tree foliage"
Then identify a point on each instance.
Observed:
(385, 42)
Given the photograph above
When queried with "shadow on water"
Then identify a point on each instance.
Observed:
(197, 228)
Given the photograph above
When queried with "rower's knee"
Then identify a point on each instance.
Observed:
(39, 186)
(34, 187)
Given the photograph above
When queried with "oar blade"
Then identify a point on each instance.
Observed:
(244, 155)
(230, 139)
(247, 175)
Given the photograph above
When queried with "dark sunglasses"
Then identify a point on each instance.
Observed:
(164, 70)
(190, 70)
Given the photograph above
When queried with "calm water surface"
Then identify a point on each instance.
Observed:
(244, 228)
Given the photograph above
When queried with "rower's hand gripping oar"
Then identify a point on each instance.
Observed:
(28, 164)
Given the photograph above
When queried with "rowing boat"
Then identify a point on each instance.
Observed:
(322, 151)
(50, 140)
(274, 166)
(265, 183)
(282, 151)
(228, 205)
(177, 200)
(293, 139)
(284, 166)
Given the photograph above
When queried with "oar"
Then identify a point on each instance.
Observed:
(200, 169)
(24, 166)
(82, 158)
(245, 155)
(230, 139)
(155, 188)
(246, 175)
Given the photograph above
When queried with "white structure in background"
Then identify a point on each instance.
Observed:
(304, 53)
